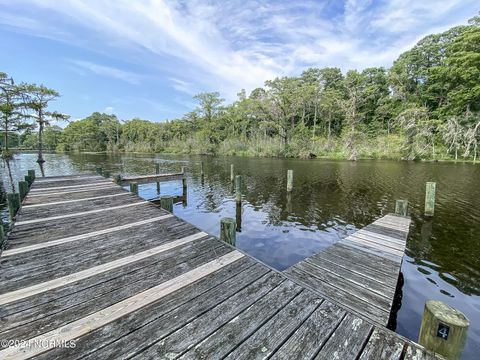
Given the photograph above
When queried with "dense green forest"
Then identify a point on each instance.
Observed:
(426, 106)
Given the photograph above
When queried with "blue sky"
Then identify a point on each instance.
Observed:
(148, 58)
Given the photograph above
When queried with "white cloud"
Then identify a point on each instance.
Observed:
(109, 110)
(227, 45)
(109, 71)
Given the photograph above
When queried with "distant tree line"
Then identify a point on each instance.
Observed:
(426, 106)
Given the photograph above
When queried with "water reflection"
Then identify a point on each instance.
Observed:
(330, 199)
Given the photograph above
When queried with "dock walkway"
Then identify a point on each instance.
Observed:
(361, 271)
(92, 271)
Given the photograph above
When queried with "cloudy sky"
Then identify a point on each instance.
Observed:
(148, 58)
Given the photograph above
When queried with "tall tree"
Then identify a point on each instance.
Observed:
(11, 105)
(38, 100)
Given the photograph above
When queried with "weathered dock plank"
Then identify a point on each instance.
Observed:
(137, 282)
(361, 271)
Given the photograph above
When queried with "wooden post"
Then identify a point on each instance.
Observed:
(238, 216)
(31, 173)
(106, 174)
(157, 170)
(184, 179)
(134, 188)
(99, 170)
(289, 180)
(29, 180)
(166, 203)
(227, 230)
(232, 173)
(2, 233)
(401, 207)
(443, 330)
(22, 189)
(201, 169)
(238, 189)
(430, 198)
(13, 200)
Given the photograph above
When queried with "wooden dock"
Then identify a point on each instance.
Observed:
(145, 179)
(361, 271)
(92, 271)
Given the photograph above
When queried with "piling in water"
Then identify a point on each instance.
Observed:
(184, 179)
(22, 189)
(166, 203)
(289, 180)
(430, 198)
(232, 173)
(134, 188)
(201, 169)
(227, 230)
(401, 207)
(2, 233)
(29, 180)
(117, 178)
(31, 173)
(238, 189)
(238, 216)
(157, 171)
(444, 329)
(13, 200)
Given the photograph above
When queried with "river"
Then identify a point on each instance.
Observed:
(330, 200)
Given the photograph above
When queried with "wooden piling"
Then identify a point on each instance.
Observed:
(227, 230)
(238, 216)
(117, 178)
(22, 189)
(13, 200)
(157, 171)
(134, 188)
(166, 203)
(444, 329)
(232, 173)
(201, 169)
(289, 180)
(184, 179)
(29, 180)
(31, 173)
(430, 198)
(2, 233)
(238, 189)
(401, 207)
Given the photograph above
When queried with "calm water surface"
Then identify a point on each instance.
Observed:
(330, 200)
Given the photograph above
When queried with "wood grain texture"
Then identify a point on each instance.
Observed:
(84, 262)
(361, 271)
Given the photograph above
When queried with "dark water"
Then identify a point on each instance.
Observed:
(330, 200)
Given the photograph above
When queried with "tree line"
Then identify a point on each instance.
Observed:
(425, 106)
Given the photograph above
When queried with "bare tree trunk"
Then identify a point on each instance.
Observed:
(40, 140)
(6, 137)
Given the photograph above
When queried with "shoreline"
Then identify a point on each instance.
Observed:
(324, 157)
